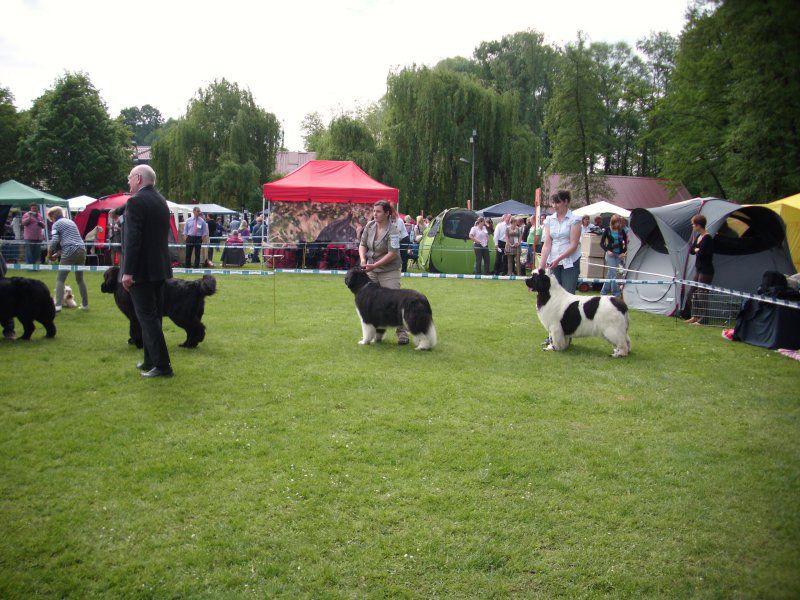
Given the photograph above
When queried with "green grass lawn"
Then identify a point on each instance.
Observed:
(285, 460)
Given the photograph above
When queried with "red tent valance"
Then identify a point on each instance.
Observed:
(329, 181)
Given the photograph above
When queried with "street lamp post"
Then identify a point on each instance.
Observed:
(472, 139)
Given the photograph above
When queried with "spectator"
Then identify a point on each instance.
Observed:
(702, 246)
(66, 241)
(480, 244)
(258, 237)
(114, 236)
(615, 244)
(585, 227)
(597, 226)
(194, 230)
(419, 229)
(513, 246)
(33, 233)
(500, 244)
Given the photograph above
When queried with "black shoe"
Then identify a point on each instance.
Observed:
(144, 367)
(158, 372)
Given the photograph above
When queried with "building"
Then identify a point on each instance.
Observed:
(286, 162)
(627, 192)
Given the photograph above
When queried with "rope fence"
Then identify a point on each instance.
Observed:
(263, 272)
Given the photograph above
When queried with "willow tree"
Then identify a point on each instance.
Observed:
(523, 63)
(575, 122)
(430, 116)
(221, 151)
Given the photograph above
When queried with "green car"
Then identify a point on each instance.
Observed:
(445, 246)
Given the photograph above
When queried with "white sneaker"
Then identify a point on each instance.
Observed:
(58, 308)
(81, 307)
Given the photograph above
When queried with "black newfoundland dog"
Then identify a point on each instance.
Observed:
(380, 308)
(28, 300)
(184, 303)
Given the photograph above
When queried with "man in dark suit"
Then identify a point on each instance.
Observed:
(145, 265)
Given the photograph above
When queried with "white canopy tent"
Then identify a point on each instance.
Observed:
(78, 203)
(602, 208)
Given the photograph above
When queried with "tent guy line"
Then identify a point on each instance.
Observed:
(271, 272)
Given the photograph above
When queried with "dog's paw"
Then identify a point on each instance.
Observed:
(549, 348)
(363, 342)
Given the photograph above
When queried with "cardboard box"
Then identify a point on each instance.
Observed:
(593, 271)
(590, 245)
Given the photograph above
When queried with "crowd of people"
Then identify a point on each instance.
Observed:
(556, 237)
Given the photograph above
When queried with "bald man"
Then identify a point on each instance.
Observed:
(146, 265)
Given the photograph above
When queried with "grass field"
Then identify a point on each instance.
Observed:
(284, 460)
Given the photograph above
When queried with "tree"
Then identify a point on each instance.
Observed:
(575, 122)
(524, 64)
(71, 146)
(313, 132)
(142, 121)
(731, 115)
(430, 116)
(221, 151)
(10, 131)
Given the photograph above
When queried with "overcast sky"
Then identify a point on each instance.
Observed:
(295, 57)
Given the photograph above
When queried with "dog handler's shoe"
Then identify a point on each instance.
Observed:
(84, 307)
(144, 367)
(158, 372)
(402, 340)
(58, 308)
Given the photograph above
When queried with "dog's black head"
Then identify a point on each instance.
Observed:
(109, 285)
(356, 278)
(538, 282)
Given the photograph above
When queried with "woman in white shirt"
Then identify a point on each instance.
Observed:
(562, 234)
(480, 238)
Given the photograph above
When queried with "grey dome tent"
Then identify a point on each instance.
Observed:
(748, 240)
(510, 207)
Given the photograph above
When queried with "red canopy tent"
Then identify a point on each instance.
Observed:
(96, 213)
(329, 181)
(317, 207)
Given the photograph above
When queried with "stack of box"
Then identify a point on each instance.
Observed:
(591, 252)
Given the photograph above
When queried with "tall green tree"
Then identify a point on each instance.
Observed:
(142, 121)
(222, 150)
(623, 82)
(10, 132)
(658, 50)
(71, 146)
(524, 64)
(731, 116)
(575, 122)
(694, 113)
(430, 116)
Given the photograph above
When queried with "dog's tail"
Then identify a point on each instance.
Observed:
(207, 285)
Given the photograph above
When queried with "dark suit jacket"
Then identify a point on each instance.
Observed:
(145, 237)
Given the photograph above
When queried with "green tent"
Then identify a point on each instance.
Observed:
(445, 246)
(14, 193)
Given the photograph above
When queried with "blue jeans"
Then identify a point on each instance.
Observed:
(33, 252)
(568, 278)
(612, 262)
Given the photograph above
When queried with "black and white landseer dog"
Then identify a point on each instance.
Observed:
(184, 303)
(566, 315)
(380, 308)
